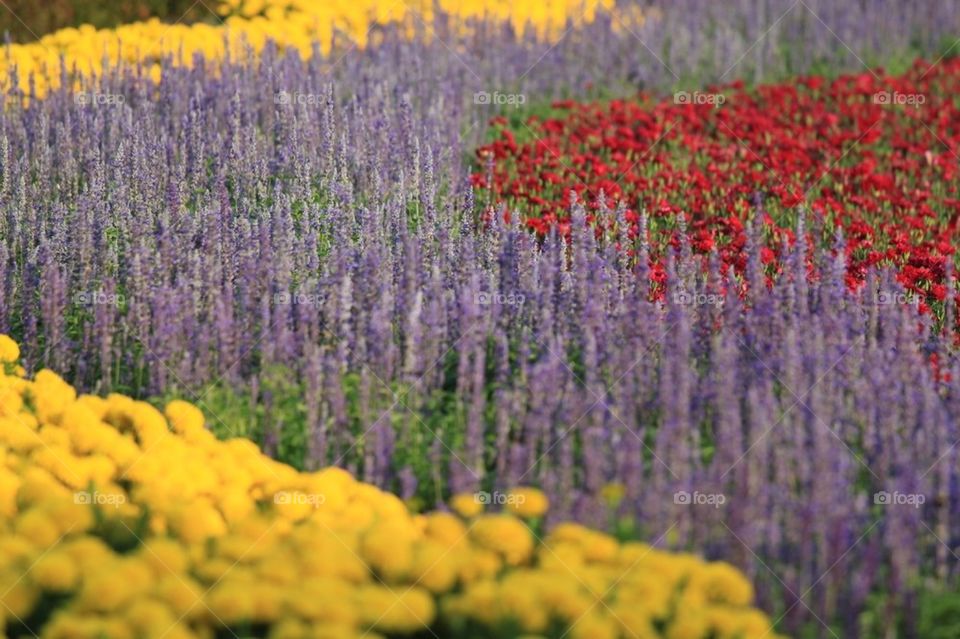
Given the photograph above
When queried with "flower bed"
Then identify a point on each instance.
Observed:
(871, 154)
(120, 521)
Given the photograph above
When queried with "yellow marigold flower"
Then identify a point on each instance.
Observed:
(692, 624)
(388, 550)
(404, 611)
(723, 584)
(18, 599)
(38, 527)
(17, 434)
(434, 567)
(445, 528)
(164, 556)
(233, 604)
(594, 626)
(87, 551)
(9, 350)
(634, 622)
(184, 417)
(181, 593)
(505, 535)
(235, 505)
(267, 602)
(9, 486)
(56, 572)
(467, 505)
(324, 601)
(197, 521)
(527, 502)
(146, 615)
(289, 629)
(478, 563)
(105, 591)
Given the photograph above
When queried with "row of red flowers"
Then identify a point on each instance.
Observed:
(873, 154)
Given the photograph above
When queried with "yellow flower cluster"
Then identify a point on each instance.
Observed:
(248, 24)
(118, 521)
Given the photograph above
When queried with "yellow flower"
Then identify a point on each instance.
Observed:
(445, 528)
(467, 505)
(146, 615)
(197, 521)
(434, 567)
(233, 604)
(9, 350)
(527, 502)
(185, 418)
(403, 611)
(164, 556)
(594, 626)
(721, 583)
(181, 593)
(504, 535)
(56, 572)
(388, 549)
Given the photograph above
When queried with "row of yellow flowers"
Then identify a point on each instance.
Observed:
(118, 521)
(242, 25)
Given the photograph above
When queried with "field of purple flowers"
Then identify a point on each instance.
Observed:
(296, 247)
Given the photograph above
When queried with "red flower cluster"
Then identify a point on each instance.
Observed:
(873, 154)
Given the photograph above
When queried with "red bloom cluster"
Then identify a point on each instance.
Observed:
(874, 154)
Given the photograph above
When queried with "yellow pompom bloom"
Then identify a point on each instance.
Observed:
(692, 624)
(56, 572)
(478, 563)
(9, 350)
(721, 583)
(404, 611)
(198, 521)
(445, 528)
(233, 604)
(38, 527)
(184, 417)
(147, 615)
(181, 593)
(164, 556)
(594, 626)
(434, 567)
(388, 549)
(467, 505)
(505, 535)
(527, 502)
(17, 599)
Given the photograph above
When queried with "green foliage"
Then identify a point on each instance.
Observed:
(939, 615)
